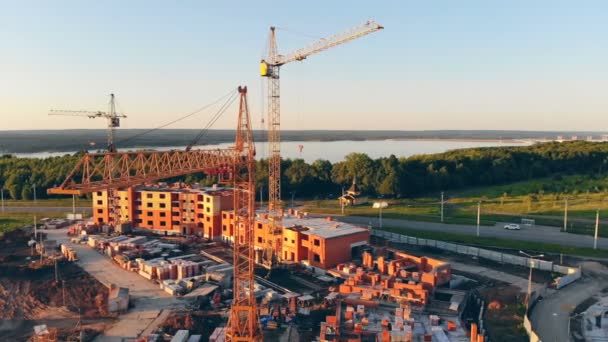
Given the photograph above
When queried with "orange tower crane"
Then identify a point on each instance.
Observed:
(104, 171)
(269, 68)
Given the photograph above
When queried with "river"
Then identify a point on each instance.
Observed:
(335, 151)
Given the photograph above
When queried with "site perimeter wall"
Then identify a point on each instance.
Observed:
(571, 273)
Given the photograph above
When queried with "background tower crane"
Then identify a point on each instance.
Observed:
(111, 115)
(269, 68)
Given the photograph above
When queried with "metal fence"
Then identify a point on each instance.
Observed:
(570, 273)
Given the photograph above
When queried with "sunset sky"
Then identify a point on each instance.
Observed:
(529, 65)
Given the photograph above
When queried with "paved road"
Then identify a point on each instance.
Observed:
(542, 234)
(47, 209)
(550, 316)
(148, 300)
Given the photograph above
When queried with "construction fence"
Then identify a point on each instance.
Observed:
(570, 274)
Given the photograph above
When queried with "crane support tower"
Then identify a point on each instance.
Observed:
(111, 115)
(243, 322)
(269, 68)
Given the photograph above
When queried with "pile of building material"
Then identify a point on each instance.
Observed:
(162, 269)
(405, 278)
(218, 335)
(118, 299)
(181, 336)
(68, 253)
(55, 223)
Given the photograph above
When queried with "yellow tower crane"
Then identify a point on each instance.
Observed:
(269, 68)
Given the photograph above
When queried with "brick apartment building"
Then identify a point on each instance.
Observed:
(181, 210)
(323, 243)
(167, 209)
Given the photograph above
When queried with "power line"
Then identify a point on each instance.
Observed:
(231, 92)
(212, 121)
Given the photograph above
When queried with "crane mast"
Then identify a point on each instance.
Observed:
(243, 323)
(270, 68)
(112, 117)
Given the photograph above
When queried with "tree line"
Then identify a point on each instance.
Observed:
(387, 176)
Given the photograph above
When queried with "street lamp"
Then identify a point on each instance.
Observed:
(478, 216)
(380, 205)
(442, 207)
(531, 257)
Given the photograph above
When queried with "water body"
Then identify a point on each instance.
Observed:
(335, 151)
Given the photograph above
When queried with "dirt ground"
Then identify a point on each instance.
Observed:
(504, 313)
(29, 294)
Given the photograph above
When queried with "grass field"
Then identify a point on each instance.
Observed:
(55, 202)
(542, 199)
(499, 243)
(11, 221)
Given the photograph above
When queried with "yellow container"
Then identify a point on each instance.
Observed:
(263, 69)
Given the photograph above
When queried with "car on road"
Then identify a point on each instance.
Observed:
(512, 226)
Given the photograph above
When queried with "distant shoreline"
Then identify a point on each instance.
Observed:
(303, 142)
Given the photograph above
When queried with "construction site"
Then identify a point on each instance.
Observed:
(168, 261)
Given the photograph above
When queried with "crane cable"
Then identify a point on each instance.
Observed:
(212, 121)
(231, 92)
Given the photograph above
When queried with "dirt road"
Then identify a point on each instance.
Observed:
(147, 299)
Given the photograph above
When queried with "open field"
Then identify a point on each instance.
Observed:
(54, 202)
(13, 220)
(471, 240)
(540, 199)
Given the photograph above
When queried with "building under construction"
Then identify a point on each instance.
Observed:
(180, 209)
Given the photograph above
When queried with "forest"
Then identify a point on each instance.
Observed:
(388, 177)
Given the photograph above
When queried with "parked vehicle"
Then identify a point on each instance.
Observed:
(512, 226)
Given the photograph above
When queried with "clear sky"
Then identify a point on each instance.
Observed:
(534, 65)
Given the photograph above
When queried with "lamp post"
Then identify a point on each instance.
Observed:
(478, 216)
(342, 199)
(565, 214)
(34, 189)
(2, 196)
(531, 257)
(380, 206)
(597, 228)
(442, 207)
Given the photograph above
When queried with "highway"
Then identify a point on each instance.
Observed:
(541, 234)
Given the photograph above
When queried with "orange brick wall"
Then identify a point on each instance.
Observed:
(168, 210)
(335, 250)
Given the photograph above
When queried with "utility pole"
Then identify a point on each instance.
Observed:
(56, 273)
(342, 201)
(597, 227)
(63, 290)
(442, 207)
(35, 228)
(41, 249)
(478, 216)
(566, 215)
(261, 196)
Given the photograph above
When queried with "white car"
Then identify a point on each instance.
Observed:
(512, 226)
